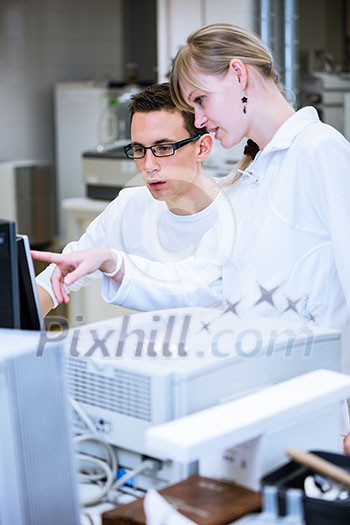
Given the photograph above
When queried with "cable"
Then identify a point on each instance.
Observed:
(83, 416)
(109, 481)
(104, 476)
(136, 493)
(96, 439)
(87, 516)
(104, 480)
(147, 464)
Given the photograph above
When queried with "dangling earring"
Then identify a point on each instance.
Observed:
(244, 102)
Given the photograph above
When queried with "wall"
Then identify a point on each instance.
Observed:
(322, 26)
(140, 37)
(42, 42)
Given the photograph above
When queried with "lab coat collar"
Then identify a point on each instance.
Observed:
(285, 135)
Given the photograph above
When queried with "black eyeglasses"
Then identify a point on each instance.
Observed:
(164, 149)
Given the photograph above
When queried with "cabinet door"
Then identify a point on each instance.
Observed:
(176, 19)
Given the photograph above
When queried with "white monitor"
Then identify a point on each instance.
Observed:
(37, 472)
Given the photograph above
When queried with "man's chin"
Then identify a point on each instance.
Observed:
(159, 195)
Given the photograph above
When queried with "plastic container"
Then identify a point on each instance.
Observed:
(317, 511)
(123, 112)
(108, 123)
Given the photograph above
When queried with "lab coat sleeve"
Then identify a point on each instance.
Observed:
(149, 285)
(194, 281)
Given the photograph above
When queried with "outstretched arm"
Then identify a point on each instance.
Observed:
(45, 300)
(151, 285)
(70, 267)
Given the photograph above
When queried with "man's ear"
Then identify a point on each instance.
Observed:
(204, 144)
(240, 72)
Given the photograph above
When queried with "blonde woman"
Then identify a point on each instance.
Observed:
(292, 202)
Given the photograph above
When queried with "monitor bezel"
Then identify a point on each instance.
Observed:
(31, 317)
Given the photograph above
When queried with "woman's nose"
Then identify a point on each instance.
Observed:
(200, 119)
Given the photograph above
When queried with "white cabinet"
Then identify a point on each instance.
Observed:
(78, 110)
(86, 305)
(176, 19)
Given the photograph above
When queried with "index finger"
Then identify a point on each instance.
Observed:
(50, 257)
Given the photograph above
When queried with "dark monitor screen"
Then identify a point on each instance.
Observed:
(29, 306)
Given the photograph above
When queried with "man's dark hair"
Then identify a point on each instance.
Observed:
(156, 98)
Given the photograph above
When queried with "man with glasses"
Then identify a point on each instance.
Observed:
(165, 220)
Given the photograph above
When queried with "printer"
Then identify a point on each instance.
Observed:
(106, 170)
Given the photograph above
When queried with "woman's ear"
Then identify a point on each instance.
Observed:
(205, 144)
(239, 70)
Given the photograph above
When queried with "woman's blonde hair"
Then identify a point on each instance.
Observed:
(209, 50)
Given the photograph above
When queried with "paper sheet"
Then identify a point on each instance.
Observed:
(159, 512)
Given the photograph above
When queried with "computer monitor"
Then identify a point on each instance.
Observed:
(20, 306)
(37, 473)
(9, 295)
(29, 305)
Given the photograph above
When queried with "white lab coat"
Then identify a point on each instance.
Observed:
(291, 257)
(136, 223)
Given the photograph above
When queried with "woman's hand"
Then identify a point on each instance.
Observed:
(74, 265)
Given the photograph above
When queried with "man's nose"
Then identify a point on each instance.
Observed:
(151, 162)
